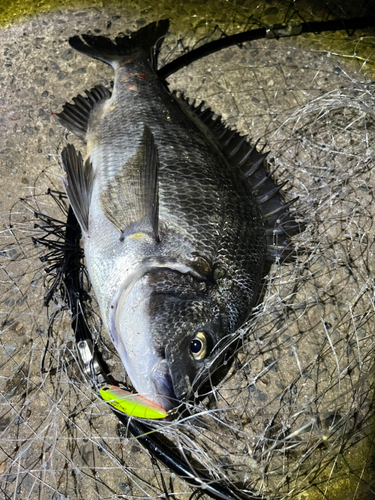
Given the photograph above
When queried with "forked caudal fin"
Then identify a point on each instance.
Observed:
(144, 43)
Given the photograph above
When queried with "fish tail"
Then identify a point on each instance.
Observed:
(144, 43)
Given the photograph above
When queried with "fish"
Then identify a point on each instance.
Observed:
(179, 215)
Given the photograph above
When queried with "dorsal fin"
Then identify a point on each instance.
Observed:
(130, 200)
(75, 117)
(279, 223)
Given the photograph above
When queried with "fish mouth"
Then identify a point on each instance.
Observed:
(131, 328)
(162, 381)
(160, 388)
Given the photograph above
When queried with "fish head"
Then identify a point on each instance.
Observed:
(168, 327)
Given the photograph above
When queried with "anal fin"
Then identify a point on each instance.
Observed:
(75, 117)
(130, 200)
(78, 184)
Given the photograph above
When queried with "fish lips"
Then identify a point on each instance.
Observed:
(162, 381)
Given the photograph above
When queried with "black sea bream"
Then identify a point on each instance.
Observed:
(178, 217)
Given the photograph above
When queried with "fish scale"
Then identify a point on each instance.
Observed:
(186, 195)
(175, 211)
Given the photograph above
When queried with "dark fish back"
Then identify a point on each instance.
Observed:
(280, 224)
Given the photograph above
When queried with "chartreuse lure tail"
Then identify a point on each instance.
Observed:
(131, 404)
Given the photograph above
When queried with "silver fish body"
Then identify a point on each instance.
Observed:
(174, 235)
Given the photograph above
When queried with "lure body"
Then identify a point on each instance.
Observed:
(131, 404)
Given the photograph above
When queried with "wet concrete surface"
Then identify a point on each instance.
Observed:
(296, 407)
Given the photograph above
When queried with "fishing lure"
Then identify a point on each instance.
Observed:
(131, 404)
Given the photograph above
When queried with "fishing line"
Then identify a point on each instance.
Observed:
(72, 268)
(71, 265)
(68, 273)
(286, 433)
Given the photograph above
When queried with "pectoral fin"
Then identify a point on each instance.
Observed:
(78, 183)
(130, 200)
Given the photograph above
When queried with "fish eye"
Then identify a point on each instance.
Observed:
(199, 346)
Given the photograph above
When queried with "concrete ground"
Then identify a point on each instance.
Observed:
(293, 417)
